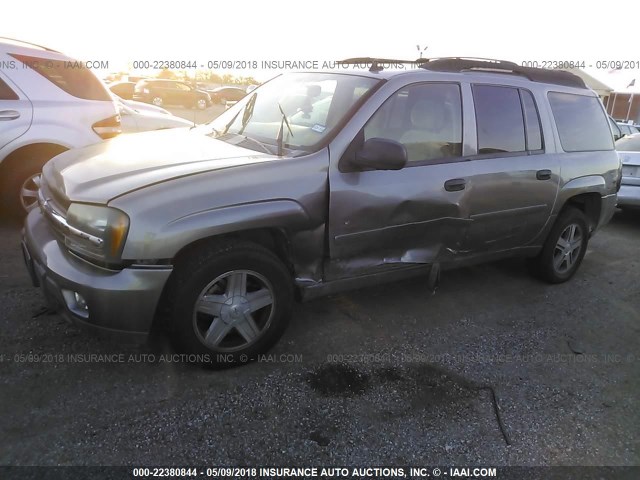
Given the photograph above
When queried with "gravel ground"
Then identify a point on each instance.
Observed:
(385, 376)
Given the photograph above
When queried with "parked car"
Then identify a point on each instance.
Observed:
(627, 128)
(46, 108)
(222, 95)
(212, 232)
(615, 129)
(170, 92)
(629, 152)
(123, 90)
(141, 106)
(133, 120)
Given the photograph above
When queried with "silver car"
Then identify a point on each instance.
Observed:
(316, 183)
(629, 151)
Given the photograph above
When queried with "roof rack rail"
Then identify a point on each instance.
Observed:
(542, 75)
(377, 64)
(15, 40)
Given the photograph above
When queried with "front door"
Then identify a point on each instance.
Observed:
(393, 218)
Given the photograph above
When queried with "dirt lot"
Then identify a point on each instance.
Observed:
(414, 381)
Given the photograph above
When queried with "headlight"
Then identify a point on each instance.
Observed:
(101, 231)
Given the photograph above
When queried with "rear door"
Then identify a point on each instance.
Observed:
(512, 181)
(16, 111)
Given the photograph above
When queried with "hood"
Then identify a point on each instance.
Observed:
(98, 173)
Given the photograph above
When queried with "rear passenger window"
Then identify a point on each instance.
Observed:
(531, 120)
(6, 93)
(581, 121)
(79, 82)
(499, 119)
(426, 118)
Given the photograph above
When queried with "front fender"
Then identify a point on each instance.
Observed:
(165, 242)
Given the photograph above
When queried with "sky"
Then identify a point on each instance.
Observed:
(125, 31)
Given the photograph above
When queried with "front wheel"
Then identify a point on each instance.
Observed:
(229, 303)
(564, 248)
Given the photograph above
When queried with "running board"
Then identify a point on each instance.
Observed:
(311, 292)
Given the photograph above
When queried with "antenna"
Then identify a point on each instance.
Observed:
(420, 50)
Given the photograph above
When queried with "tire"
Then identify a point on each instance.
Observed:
(563, 249)
(223, 101)
(229, 330)
(157, 101)
(21, 183)
(201, 104)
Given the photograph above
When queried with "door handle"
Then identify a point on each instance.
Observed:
(543, 174)
(9, 114)
(455, 184)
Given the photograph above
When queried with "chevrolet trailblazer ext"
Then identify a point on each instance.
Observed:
(316, 183)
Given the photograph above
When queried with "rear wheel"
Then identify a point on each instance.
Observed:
(564, 248)
(157, 101)
(22, 180)
(229, 303)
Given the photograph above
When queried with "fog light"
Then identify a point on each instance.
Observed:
(76, 303)
(81, 303)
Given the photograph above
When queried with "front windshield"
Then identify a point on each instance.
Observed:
(296, 111)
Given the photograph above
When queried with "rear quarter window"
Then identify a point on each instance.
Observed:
(6, 93)
(77, 81)
(581, 121)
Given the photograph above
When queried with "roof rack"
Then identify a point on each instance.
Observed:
(464, 64)
(15, 40)
(461, 64)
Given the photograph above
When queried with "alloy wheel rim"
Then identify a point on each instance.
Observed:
(234, 310)
(568, 248)
(29, 192)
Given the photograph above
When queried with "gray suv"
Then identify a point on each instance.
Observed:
(319, 182)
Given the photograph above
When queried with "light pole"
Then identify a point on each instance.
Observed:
(420, 50)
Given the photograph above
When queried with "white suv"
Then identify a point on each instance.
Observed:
(49, 103)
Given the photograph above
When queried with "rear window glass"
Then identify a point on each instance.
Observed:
(68, 76)
(629, 144)
(6, 93)
(582, 124)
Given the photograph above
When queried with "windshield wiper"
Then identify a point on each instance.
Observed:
(264, 146)
(245, 117)
(283, 122)
(248, 112)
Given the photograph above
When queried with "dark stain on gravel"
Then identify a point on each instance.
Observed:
(319, 438)
(337, 379)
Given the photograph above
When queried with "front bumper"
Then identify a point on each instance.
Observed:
(118, 303)
(629, 194)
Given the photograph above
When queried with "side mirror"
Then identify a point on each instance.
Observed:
(381, 154)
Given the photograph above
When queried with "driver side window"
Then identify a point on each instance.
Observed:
(425, 118)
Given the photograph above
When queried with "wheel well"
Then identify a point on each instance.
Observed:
(273, 239)
(590, 204)
(35, 150)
